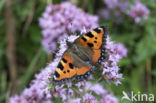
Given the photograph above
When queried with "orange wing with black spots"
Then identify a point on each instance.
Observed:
(65, 68)
(81, 56)
(95, 40)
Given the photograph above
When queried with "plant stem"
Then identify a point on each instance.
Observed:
(30, 69)
(148, 70)
(11, 43)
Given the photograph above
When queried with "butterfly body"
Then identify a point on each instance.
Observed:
(82, 56)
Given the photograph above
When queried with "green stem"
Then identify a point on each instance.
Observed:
(148, 69)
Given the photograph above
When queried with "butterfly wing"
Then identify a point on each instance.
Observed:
(70, 67)
(94, 42)
(83, 68)
(65, 69)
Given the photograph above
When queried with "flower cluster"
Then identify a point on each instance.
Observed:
(139, 11)
(84, 93)
(58, 20)
(38, 92)
(111, 3)
(120, 8)
(115, 53)
(115, 9)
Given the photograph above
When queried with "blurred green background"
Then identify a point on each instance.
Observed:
(22, 55)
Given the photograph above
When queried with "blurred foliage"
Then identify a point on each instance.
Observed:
(139, 68)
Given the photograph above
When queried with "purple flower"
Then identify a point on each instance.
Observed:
(105, 13)
(111, 3)
(109, 99)
(139, 11)
(115, 9)
(120, 49)
(76, 100)
(89, 98)
(110, 67)
(123, 5)
(58, 20)
(17, 99)
(97, 88)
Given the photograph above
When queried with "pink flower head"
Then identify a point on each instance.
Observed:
(97, 88)
(76, 100)
(110, 67)
(89, 98)
(111, 3)
(120, 49)
(109, 99)
(139, 11)
(58, 20)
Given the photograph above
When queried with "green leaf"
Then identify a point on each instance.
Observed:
(2, 2)
(29, 72)
(154, 72)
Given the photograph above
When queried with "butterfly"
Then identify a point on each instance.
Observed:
(81, 56)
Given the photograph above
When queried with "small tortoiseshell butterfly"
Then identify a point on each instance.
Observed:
(78, 60)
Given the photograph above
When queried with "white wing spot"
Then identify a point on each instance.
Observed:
(54, 77)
